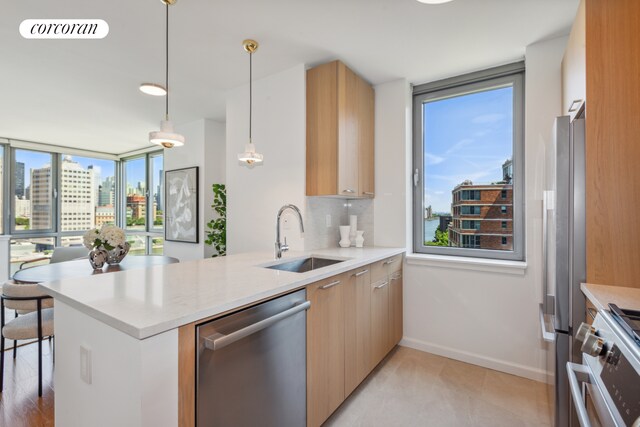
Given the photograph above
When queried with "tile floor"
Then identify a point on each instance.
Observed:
(412, 388)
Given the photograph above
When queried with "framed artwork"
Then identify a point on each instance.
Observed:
(181, 205)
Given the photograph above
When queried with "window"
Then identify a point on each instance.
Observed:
(470, 241)
(56, 197)
(470, 195)
(32, 190)
(468, 157)
(504, 240)
(144, 197)
(470, 210)
(471, 225)
(87, 193)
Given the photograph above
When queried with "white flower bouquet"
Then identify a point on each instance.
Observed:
(108, 237)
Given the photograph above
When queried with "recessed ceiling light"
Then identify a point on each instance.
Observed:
(153, 89)
(434, 1)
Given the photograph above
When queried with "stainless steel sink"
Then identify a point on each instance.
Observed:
(305, 264)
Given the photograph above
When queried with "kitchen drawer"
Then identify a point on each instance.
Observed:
(382, 269)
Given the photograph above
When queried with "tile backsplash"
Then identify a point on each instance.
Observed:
(318, 236)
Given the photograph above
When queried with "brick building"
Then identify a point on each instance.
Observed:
(482, 216)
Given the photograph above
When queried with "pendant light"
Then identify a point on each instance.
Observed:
(166, 137)
(250, 157)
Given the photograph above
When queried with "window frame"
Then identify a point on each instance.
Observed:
(150, 232)
(510, 74)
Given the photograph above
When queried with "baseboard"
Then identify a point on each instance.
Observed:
(476, 359)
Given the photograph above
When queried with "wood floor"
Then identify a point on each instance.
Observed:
(412, 388)
(409, 388)
(20, 405)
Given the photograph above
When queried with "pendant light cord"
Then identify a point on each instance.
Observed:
(166, 69)
(250, 93)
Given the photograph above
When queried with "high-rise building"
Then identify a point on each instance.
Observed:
(136, 206)
(106, 192)
(77, 195)
(483, 213)
(19, 180)
(41, 191)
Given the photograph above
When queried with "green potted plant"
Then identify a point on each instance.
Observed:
(217, 227)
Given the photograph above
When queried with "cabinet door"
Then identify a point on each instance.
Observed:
(379, 320)
(348, 132)
(325, 349)
(574, 66)
(366, 101)
(395, 309)
(357, 314)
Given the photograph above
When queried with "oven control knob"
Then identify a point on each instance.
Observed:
(584, 330)
(592, 345)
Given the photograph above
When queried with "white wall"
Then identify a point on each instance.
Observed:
(255, 195)
(134, 382)
(487, 315)
(205, 148)
(392, 165)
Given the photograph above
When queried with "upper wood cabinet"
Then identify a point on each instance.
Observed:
(574, 67)
(340, 133)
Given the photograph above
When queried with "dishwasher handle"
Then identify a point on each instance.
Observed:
(218, 341)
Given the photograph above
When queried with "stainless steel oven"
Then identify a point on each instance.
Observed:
(605, 388)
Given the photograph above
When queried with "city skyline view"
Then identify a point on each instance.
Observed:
(466, 137)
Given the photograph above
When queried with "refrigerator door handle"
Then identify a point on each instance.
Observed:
(546, 335)
(548, 301)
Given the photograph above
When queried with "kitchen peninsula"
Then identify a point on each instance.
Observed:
(120, 353)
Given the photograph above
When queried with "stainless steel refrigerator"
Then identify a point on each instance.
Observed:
(564, 256)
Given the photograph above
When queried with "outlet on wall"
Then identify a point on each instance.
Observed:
(328, 220)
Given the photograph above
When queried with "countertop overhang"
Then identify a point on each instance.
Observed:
(147, 302)
(601, 295)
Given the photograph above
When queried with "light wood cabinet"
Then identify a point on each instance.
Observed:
(379, 321)
(340, 133)
(574, 67)
(357, 315)
(353, 322)
(612, 148)
(325, 348)
(395, 309)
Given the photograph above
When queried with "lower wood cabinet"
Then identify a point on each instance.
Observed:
(325, 348)
(395, 309)
(357, 334)
(379, 321)
(354, 321)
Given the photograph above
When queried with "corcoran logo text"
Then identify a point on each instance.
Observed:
(64, 29)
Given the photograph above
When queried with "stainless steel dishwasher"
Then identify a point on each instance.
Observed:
(251, 366)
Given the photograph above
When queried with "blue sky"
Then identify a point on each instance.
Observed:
(135, 170)
(465, 137)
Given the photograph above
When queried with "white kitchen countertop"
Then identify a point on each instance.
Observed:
(146, 302)
(601, 295)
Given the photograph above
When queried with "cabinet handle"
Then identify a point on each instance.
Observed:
(330, 285)
(574, 105)
(368, 193)
(348, 190)
(395, 277)
(382, 285)
(360, 273)
(390, 261)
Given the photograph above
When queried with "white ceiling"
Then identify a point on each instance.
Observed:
(84, 93)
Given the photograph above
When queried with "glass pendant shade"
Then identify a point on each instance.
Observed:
(166, 137)
(250, 156)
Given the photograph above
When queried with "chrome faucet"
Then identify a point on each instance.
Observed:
(280, 247)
